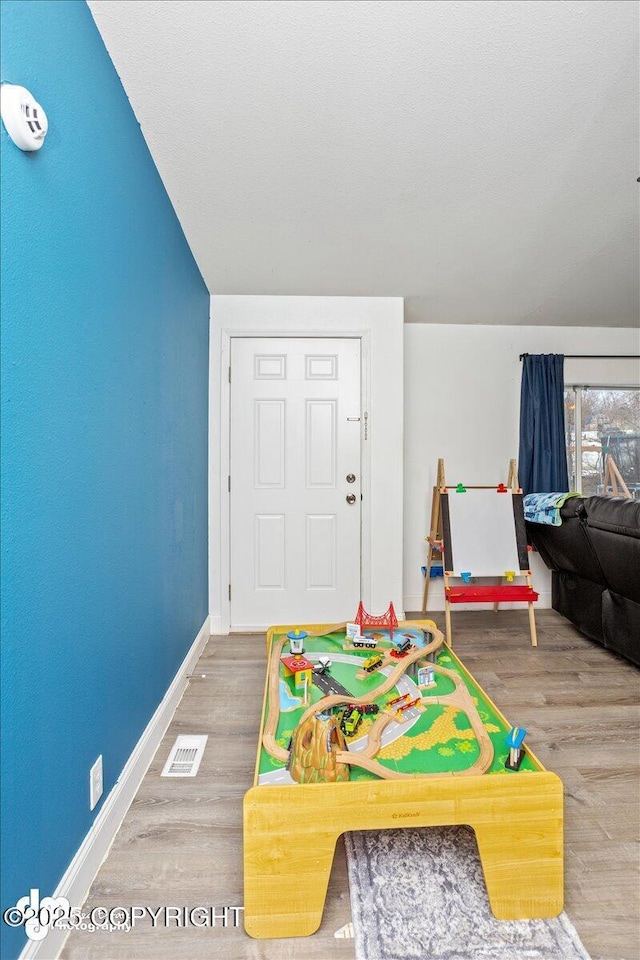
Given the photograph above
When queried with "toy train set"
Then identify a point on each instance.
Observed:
(436, 735)
(326, 709)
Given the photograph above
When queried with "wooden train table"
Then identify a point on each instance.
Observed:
(396, 733)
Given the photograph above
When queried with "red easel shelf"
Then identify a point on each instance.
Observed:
(517, 593)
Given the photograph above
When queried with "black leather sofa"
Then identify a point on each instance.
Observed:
(594, 557)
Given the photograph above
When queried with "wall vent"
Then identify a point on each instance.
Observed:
(185, 756)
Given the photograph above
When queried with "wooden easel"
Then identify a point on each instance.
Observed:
(434, 540)
(613, 478)
(460, 594)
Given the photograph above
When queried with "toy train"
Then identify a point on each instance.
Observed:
(402, 650)
(367, 642)
(372, 663)
(367, 708)
(350, 721)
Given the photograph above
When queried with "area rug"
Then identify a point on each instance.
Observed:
(420, 895)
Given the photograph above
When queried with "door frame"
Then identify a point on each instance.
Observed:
(226, 325)
(225, 464)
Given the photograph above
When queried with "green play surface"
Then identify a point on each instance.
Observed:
(436, 739)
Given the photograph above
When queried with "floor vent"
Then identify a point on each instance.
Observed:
(185, 756)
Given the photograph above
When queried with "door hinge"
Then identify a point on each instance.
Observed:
(229, 374)
(229, 484)
(229, 591)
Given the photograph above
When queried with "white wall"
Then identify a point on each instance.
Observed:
(462, 402)
(379, 322)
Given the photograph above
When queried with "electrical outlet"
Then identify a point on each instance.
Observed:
(95, 783)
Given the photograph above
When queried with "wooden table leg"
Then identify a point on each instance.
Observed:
(522, 860)
(287, 864)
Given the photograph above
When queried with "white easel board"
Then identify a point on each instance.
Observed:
(483, 533)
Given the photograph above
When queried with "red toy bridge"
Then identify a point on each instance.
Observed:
(387, 620)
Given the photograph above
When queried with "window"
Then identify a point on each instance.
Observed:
(602, 421)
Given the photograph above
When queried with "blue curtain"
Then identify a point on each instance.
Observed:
(542, 461)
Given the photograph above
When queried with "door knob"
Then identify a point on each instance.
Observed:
(351, 498)
(351, 478)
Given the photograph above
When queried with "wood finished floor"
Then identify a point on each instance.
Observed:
(181, 841)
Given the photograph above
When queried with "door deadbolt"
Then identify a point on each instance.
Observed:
(351, 478)
(351, 498)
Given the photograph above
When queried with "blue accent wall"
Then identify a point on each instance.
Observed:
(104, 443)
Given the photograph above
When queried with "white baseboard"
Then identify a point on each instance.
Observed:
(82, 870)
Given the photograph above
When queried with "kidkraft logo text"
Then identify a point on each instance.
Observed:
(36, 915)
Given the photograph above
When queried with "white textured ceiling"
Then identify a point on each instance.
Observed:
(478, 158)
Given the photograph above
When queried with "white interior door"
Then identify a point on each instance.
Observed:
(295, 509)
